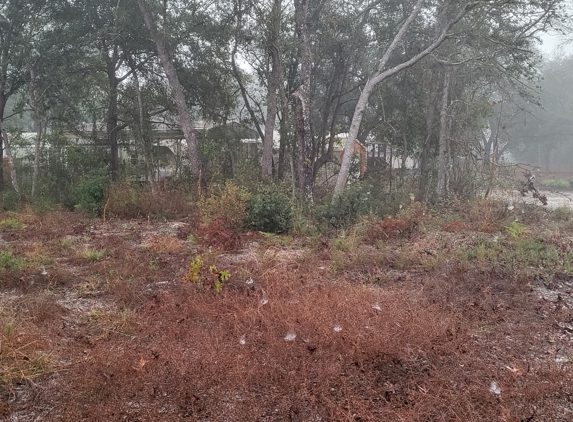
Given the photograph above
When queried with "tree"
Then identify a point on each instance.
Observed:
(185, 119)
(508, 21)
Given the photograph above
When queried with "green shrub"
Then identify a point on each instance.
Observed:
(11, 224)
(555, 184)
(362, 198)
(269, 211)
(10, 262)
(227, 204)
(90, 192)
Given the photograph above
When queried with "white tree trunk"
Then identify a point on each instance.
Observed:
(13, 176)
(443, 138)
(382, 74)
(185, 119)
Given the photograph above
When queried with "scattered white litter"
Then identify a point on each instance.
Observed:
(264, 300)
(44, 272)
(377, 307)
(338, 328)
(290, 337)
(494, 388)
(243, 340)
(250, 281)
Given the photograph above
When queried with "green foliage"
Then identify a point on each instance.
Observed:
(10, 262)
(11, 224)
(194, 270)
(519, 253)
(214, 276)
(93, 254)
(516, 229)
(269, 211)
(556, 183)
(227, 204)
(359, 199)
(90, 192)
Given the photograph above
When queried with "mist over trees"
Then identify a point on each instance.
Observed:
(541, 133)
(448, 85)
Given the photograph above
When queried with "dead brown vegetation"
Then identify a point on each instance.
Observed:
(318, 330)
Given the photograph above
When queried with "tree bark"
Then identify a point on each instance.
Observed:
(112, 118)
(39, 131)
(13, 175)
(185, 119)
(3, 141)
(274, 79)
(443, 139)
(302, 95)
(143, 130)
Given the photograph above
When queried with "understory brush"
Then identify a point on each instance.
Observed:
(131, 200)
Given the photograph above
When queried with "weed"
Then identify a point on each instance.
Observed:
(93, 254)
(194, 270)
(214, 277)
(11, 224)
(10, 262)
(154, 265)
(191, 239)
(516, 229)
(227, 204)
(563, 213)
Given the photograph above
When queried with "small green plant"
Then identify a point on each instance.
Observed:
(10, 262)
(93, 254)
(9, 329)
(11, 224)
(195, 274)
(516, 229)
(194, 270)
(191, 239)
(219, 277)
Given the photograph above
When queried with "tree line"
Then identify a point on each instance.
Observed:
(424, 77)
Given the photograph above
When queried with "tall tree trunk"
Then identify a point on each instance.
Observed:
(273, 86)
(8, 150)
(37, 153)
(34, 100)
(429, 143)
(185, 119)
(3, 140)
(274, 79)
(143, 130)
(302, 94)
(443, 138)
(112, 119)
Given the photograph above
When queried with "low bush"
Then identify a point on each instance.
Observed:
(10, 262)
(269, 211)
(556, 184)
(226, 204)
(130, 200)
(362, 198)
(90, 192)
